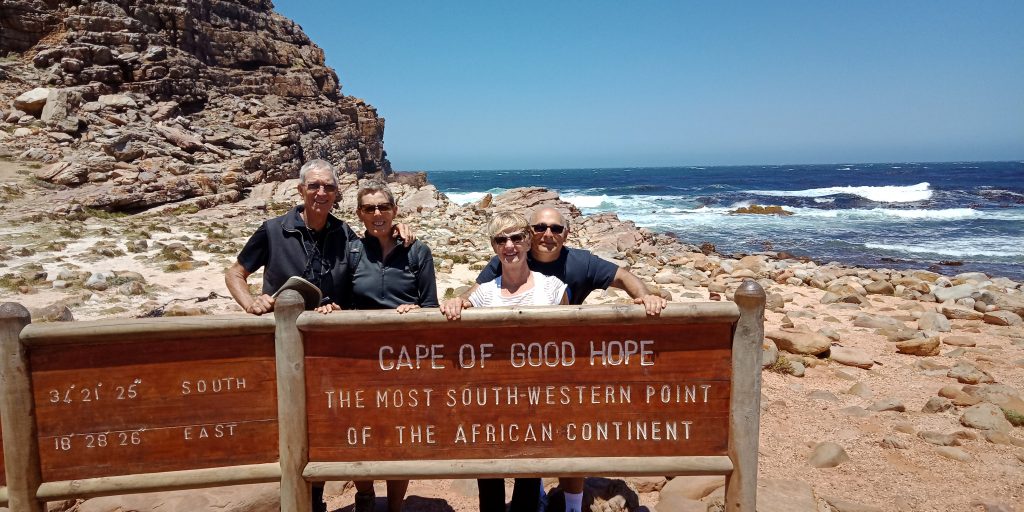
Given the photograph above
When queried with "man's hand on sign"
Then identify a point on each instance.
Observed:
(262, 304)
(452, 308)
(654, 304)
(327, 308)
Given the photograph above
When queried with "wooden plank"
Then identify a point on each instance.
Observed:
(133, 405)
(169, 481)
(145, 330)
(291, 388)
(484, 468)
(368, 392)
(744, 429)
(605, 314)
(3, 469)
(17, 412)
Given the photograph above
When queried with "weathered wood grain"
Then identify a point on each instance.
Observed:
(589, 410)
(130, 406)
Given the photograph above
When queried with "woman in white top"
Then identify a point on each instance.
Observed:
(517, 285)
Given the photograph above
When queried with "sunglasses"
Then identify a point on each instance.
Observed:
(555, 228)
(370, 208)
(516, 238)
(317, 186)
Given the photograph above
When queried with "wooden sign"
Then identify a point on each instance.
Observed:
(444, 391)
(135, 406)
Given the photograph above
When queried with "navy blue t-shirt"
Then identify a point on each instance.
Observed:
(580, 269)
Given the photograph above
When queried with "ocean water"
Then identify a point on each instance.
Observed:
(951, 217)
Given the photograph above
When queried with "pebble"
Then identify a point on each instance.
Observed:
(888, 404)
(937, 404)
(939, 438)
(860, 389)
(851, 357)
(905, 426)
(894, 442)
(841, 505)
(967, 373)
(954, 453)
(823, 395)
(919, 347)
(959, 341)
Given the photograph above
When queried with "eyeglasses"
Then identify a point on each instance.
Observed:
(516, 238)
(317, 186)
(555, 228)
(370, 208)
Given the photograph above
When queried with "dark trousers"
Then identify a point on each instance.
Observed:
(318, 497)
(525, 495)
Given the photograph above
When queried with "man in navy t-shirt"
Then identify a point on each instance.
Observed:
(580, 269)
(582, 272)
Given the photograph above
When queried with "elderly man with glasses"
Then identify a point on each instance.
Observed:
(307, 242)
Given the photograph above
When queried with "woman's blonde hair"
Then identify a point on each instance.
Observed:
(372, 187)
(504, 221)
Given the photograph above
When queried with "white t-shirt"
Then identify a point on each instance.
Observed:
(546, 291)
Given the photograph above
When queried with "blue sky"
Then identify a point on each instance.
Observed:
(507, 85)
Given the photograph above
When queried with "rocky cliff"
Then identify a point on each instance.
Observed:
(130, 104)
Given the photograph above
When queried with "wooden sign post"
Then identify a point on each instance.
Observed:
(113, 407)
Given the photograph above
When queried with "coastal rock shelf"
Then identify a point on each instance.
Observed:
(137, 104)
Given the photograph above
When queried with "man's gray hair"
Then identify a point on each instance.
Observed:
(317, 164)
(372, 187)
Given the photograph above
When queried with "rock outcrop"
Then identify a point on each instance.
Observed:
(130, 104)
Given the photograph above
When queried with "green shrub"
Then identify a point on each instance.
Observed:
(781, 365)
(1015, 418)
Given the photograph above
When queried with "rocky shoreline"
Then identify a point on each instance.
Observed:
(881, 388)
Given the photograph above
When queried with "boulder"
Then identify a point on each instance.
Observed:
(1007, 318)
(1007, 302)
(851, 357)
(691, 487)
(827, 455)
(985, 416)
(932, 321)
(959, 291)
(880, 288)
(238, 498)
(877, 322)
(919, 347)
(967, 373)
(960, 313)
(785, 496)
(799, 341)
(32, 102)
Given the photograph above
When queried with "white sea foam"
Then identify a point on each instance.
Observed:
(824, 200)
(586, 201)
(961, 248)
(881, 194)
(465, 197)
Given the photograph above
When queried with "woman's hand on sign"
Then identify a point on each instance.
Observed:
(452, 308)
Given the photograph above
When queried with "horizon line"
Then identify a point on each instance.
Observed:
(705, 166)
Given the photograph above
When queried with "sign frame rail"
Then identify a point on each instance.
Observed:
(25, 489)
